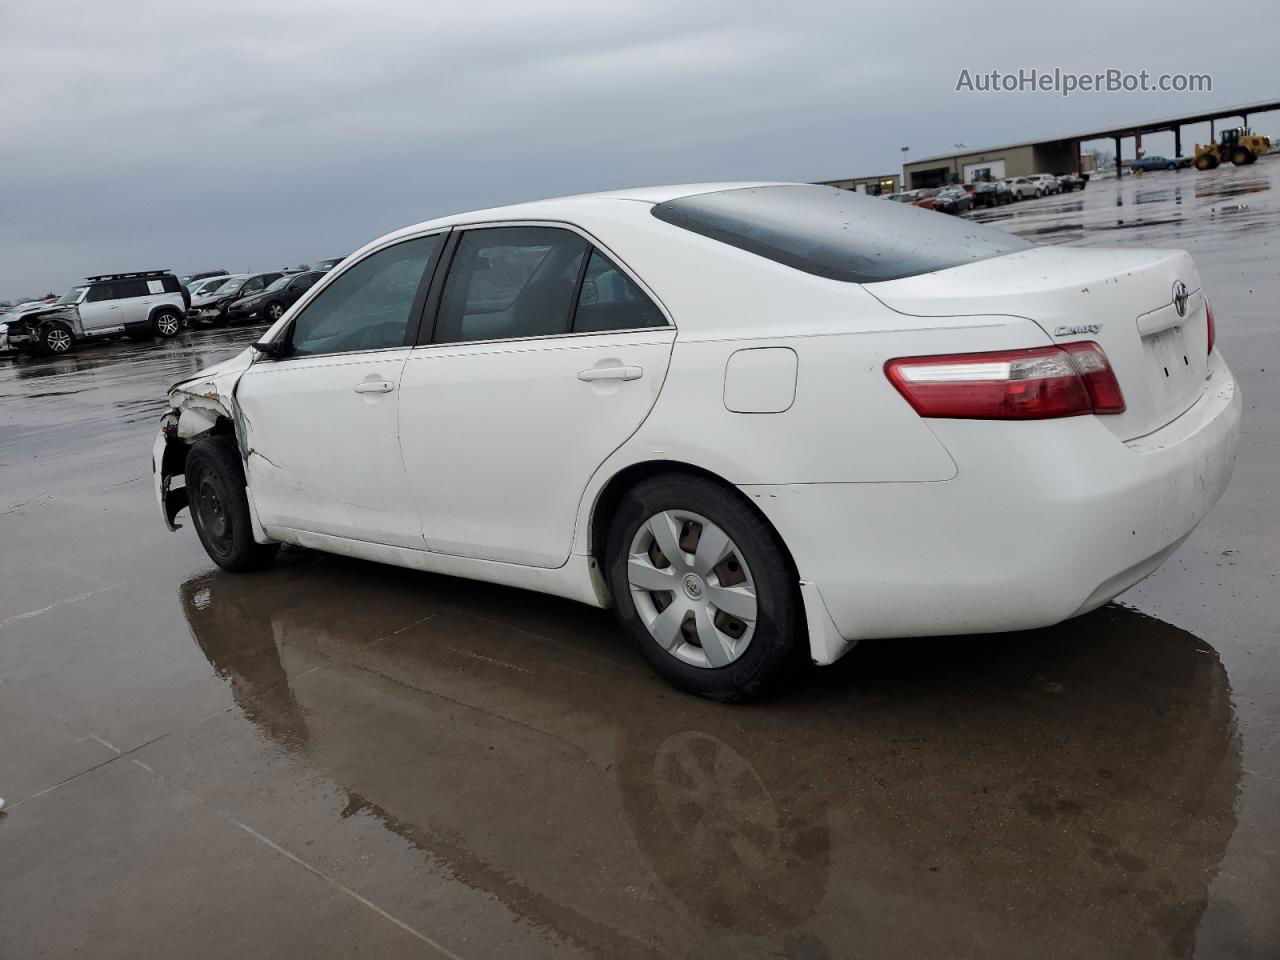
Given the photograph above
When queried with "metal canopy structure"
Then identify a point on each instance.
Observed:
(1135, 130)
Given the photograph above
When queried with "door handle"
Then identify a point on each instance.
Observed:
(610, 373)
(374, 386)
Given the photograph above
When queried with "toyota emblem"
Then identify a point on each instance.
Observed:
(1180, 297)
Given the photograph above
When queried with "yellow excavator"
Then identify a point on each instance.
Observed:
(1240, 145)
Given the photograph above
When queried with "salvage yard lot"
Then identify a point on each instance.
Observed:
(336, 755)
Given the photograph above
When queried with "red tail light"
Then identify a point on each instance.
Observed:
(1034, 384)
(1213, 334)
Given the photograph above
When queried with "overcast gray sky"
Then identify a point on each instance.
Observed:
(159, 133)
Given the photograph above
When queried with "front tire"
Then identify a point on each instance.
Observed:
(56, 339)
(220, 507)
(702, 585)
(274, 311)
(167, 324)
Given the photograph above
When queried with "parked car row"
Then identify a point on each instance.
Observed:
(961, 197)
(152, 303)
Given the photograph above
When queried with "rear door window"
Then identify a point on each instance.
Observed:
(507, 282)
(838, 234)
(129, 289)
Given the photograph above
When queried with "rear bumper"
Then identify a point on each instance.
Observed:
(1043, 521)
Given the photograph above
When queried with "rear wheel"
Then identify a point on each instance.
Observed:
(167, 323)
(56, 338)
(220, 508)
(703, 587)
(1241, 156)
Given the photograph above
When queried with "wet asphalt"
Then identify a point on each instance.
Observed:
(336, 758)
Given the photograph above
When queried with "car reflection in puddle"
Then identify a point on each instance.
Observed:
(1066, 790)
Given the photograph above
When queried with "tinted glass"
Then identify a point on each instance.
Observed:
(252, 285)
(368, 306)
(127, 289)
(100, 292)
(510, 282)
(610, 300)
(304, 282)
(228, 287)
(170, 284)
(280, 284)
(836, 233)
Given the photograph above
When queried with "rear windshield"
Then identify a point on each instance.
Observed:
(837, 233)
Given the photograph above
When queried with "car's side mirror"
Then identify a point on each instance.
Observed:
(275, 349)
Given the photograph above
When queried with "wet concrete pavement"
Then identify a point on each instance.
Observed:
(336, 757)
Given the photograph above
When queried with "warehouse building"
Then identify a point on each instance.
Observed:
(876, 186)
(994, 163)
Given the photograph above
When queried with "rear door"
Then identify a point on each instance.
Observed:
(545, 355)
(136, 299)
(320, 425)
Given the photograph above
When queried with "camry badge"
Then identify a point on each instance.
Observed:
(1077, 329)
(1180, 297)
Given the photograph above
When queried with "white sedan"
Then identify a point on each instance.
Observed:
(761, 421)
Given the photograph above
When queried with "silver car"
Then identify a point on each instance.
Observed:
(137, 305)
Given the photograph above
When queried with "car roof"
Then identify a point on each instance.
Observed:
(554, 208)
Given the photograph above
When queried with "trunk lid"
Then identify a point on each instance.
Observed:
(1124, 300)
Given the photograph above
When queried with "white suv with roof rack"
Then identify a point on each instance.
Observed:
(137, 305)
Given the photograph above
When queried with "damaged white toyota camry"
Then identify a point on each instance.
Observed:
(761, 421)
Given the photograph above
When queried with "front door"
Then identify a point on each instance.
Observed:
(320, 425)
(546, 356)
(102, 309)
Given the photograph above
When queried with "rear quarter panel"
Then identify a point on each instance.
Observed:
(847, 423)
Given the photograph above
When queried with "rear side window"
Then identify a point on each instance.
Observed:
(837, 234)
(507, 282)
(610, 300)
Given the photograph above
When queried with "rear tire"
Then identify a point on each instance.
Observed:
(714, 650)
(56, 339)
(220, 507)
(1241, 157)
(167, 324)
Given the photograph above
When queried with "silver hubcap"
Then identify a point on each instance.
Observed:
(692, 588)
(276, 311)
(168, 325)
(59, 341)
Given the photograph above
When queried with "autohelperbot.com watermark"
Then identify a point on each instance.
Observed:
(1065, 82)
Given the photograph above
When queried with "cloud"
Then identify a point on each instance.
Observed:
(245, 135)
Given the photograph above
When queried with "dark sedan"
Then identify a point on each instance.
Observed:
(267, 306)
(954, 200)
(1153, 162)
(212, 308)
(987, 194)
